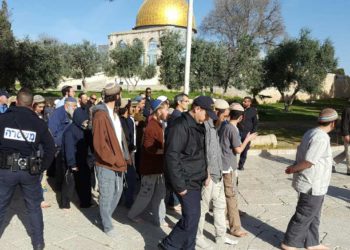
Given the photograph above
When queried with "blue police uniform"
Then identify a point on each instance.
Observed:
(15, 164)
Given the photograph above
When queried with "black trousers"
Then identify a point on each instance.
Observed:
(302, 231)
(79, 181)
(32, 194)
(56, 170)
(243, 155)
(183, 235)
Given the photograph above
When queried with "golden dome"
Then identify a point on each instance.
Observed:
(163, 12)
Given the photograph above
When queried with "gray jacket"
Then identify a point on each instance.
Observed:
(213, 151)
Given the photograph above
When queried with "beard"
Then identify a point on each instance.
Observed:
(118, 102)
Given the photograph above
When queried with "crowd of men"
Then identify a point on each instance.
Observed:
(155, 153)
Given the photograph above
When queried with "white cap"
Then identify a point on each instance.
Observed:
(163, 98)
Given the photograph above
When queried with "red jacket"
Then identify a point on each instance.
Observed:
(153, 141)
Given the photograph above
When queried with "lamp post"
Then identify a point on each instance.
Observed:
(188, 47)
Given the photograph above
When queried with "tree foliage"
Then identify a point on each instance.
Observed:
(127, 63)
(7, 49)
(83, 60)
(230, 20)
(301, 63)
(172, 60)
(39, 64)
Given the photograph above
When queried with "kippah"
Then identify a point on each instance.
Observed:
(236, 106)
(38, 99)
(328, 115)
(221, 104)
(111, 89)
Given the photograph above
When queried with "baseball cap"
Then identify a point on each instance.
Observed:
(138, 98)
(155, 104)
(163, 98)
(4, 93)
(328, 115)
(205, 102)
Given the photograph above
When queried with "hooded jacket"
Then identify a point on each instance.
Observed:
(58, 122)
(76, 140)
(108, 153)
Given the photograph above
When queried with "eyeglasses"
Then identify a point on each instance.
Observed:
(94, 99)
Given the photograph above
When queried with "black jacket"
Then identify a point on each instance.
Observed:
(249, 122)
(185, 164)
(147, 109)
(77, 142)
(35, 130)
(345, 122)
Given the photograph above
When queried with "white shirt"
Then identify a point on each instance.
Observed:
(117, 125)
(60, 103)
(315, 148)
(134, 139)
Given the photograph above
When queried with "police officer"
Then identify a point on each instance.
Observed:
(21, 133)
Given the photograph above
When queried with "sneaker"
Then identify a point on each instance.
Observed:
(225, 240)
(112, 233)
(202, 243)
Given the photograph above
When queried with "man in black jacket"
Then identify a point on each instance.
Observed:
(21, 133)
(345, 131)
(186, 170)
(249, 124)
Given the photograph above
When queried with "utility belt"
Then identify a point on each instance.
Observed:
(16, 162)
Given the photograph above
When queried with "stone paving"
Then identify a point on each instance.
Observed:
(265, 195)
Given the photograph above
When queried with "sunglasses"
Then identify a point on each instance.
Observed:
(94, 99)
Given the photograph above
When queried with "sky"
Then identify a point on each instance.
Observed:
(71, 21)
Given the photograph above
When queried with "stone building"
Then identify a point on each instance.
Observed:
(153, 19)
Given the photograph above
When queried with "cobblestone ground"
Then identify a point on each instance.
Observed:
(265, 195)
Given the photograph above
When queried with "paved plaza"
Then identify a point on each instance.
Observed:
(266, 196)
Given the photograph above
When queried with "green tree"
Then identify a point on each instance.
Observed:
(204, 64)
(172, 60)
(126, 62)
(83, 60)
(299, 64)
(339, 71)
(38, 64)
(7, 50)
(240, 68)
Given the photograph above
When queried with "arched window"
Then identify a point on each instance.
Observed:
(152, 52)
(138, 41)
(122, 44)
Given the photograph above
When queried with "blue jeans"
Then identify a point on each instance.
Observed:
(32, 194)
(110, 184)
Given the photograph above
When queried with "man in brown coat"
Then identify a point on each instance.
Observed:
(111, 153)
